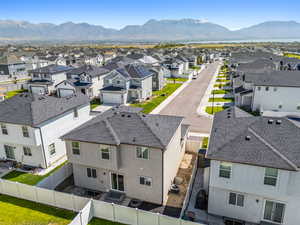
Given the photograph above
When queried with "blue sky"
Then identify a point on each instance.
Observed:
(233, 14)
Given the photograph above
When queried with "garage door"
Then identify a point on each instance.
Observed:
(112, 98)
(65, 92)
(38, 90)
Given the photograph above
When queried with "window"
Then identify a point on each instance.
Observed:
(275, 89)
(4, 129)
(91, 172)
(274, 211)
(147, 181)
(75, 111)
(27, 151)
(52, 149)
(298, 107)
(236, 199)
(267, 88)
(75, 148)
(258, 88)
(25, 131)
(279, 106)
(271, 175)
(225, 170)
(142, 153)
(10, 152)
(105, 153)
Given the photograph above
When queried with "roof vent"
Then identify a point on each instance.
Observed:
(270, 121)
(248, 138)
(278, 122)
(134, 139)
(228, 116)
(123, 115)
(157, 124)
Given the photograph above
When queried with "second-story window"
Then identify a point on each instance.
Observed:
(27, 151)
(25, 131)
(4, 129)
(147, 181)
(105, 153)
(142, 153)
(271, 176)
(225, 170)
(75, 148)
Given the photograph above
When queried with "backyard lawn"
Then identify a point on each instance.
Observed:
(10, 94)
(28, 178)
(221, 85)
(220, 100)
(158, 97)
(14, 211)
(290, 55)
(204, 142)
(212, 110)
(222, 80)
(96, 221)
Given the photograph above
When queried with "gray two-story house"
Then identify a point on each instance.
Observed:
(128, 152)
(132, 82)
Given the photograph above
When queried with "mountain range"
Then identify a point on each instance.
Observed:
(153, 30)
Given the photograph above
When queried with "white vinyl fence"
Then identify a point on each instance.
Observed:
(56, 178)
(87, 208)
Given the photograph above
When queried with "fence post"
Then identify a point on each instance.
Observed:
(36, 193)
(137, 216)
(80, 218)
(114, 213)
(18, 189)
(54, 198)
(74, 203)
(158, 218)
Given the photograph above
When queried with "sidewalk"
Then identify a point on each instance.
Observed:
(207, 95)
(175, 93)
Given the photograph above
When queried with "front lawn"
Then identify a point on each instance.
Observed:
(158, 97)
(222, 85)
(223, 80)
(96, 221)
(212, 110)
(15, 211)
(179, 79)
(220, 100)
(216, 92)
(95, 103)
(10, 94)
(28, 178)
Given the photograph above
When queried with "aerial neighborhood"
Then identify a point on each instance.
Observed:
(160, 135)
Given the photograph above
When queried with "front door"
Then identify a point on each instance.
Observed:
(10, 152)
(117, 182)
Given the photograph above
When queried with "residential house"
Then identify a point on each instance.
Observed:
(44, 79)
(254, 173)
(128, 152)
(86, 79)
(132, 82)
(31, 126)
(11, 66)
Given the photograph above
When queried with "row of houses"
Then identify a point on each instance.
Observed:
(254, 157)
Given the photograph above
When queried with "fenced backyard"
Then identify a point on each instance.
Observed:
(87, 208)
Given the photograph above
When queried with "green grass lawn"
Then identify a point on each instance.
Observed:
(96, 221)
(220, 100)
(204, 142)
(28, 178)
(95, 103)
(179, 79)
(14, 211)
(223, 77)
(216, 92)
(10, 94)
(223, 80)
(195, 67)
(159, 97)
(221, 85)
(212, 110)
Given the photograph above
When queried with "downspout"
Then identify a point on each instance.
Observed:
(44, 154)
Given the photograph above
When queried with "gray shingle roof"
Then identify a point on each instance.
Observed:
(119, 127)
(270, 145)
(32, 110)
(51, 69)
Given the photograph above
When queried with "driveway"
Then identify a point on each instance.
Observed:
(188, 100)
